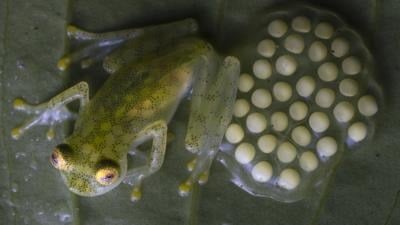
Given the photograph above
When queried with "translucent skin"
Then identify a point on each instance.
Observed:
(151, 69)
(138, 95)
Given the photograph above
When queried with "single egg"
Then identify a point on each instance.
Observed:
(328, 71)
(324, 30)
(325, 97)
(298, 110)
(286, 152)
(241, 108)
(301, 24)
(282, 91)
(317, 51)
(348, 87)
(245, 153)
(256, 122)
(286, 65)
(289, 179)
(246, 82)
(267, 143)
(261, 98)
(266, 48)
(262, 69)
(351, 65)
(294, 43)
(343, 112)
(305, 86)
(234, 133)
(301, 136)
(319, 122)
(277, 28)
(262, 172)
(279, 121)
(340, 47)
(357, 131)
(326, 147)
(308, 161)
(367, 105)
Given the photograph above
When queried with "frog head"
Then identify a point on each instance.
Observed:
(87, 173)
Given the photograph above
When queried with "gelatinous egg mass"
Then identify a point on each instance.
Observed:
(306, 96)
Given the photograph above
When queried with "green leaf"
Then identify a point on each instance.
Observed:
(364, 189)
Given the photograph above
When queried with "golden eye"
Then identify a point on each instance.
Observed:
(107, 175)
(58, 157)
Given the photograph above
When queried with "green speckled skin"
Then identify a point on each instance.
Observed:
(146, 91)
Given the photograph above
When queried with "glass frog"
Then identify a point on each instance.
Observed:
(306, 92)
(151, 69)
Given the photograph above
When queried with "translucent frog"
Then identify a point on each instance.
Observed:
(151, 69)
(306, 93)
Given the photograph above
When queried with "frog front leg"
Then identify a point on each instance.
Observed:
(51, 112)
(158, 132)
(212, 105)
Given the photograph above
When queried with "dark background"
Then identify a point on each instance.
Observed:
(364, 190)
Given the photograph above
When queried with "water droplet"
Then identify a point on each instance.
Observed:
(20, 155)
(14, 187)
(20, 64)
(33, 164)
(64, 217)
(27, 177)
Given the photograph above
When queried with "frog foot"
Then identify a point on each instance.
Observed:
(203, 178)
(136, 194)
(185, 188)
(96, 47)
(191, 164)
(41, 115)
(198, 174)
(136, 183)
(89, 54)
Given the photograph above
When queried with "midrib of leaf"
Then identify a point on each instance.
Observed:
(73, 198)
(324, 193)
(74, 201)
(194, 201)
(2, 102)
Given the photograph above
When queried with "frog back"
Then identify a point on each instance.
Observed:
(146, 90)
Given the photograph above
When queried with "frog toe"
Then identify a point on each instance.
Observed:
(64, 63)
(190, 165)
(21, 105)
(16, 133)
(185, 188)
(136, 194)
(203, 178)
(50, 134)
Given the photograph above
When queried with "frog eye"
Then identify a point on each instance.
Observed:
(59, 156)
(107, 173)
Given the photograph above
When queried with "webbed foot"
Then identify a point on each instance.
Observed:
(52, 112)
(42, 115)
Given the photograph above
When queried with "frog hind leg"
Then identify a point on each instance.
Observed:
(101, 44)
(210, 114)
(158, 132)
(51, 112)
